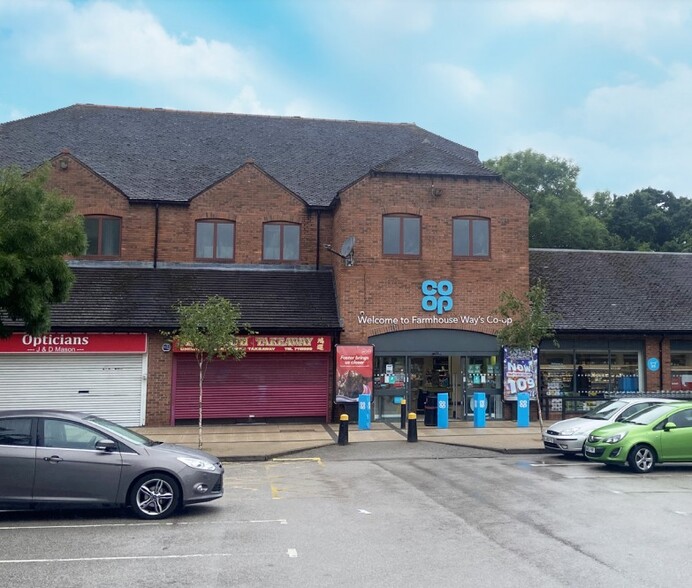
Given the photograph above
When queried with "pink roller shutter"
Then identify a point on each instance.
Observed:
(260, 384)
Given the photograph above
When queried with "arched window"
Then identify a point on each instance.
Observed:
(281, 241)
(215, 240)
(401, 235)
(471, 237)
(103, 235)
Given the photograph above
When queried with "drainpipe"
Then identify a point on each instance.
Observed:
(156, 235)
(317, 256)
(660, 359)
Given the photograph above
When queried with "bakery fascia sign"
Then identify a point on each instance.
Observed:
(438, 304)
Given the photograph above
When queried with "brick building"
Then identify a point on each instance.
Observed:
(367, 236)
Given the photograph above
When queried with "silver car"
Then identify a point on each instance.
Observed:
(51, 458)
(569, 436)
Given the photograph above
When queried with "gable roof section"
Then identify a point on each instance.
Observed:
(616, 291)
(120, 299)
(167, 155)
(426, 159)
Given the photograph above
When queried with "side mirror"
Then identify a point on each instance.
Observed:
(669, 426)
(106, 445)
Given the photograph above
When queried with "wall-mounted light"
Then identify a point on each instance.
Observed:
(64, 163)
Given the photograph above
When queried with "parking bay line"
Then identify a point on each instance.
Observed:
(115, 558)
(149, 524)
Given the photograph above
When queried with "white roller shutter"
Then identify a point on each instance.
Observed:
(110, 386)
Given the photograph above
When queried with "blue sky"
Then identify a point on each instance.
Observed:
(606, 84)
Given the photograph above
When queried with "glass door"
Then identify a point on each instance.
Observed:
(391, 385)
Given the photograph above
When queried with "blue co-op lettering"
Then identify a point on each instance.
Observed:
(437, 296)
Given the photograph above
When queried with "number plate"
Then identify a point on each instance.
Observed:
(589, 449)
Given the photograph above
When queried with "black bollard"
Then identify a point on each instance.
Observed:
(343, 429)
(412, 436)
(403, 413)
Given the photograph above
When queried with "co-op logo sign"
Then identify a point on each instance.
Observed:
(437, 296)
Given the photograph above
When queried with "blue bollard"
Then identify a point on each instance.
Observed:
(523, 405)
(364, 412)
(479, 406)
(442, 410)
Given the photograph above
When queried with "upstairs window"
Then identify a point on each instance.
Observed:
(103, 236)
(281, 242)
(215, 240)
(401, 235)
(471, 237)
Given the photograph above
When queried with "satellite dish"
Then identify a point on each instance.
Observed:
(347, 247)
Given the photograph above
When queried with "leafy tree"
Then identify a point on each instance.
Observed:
(532, 322)
(652, 220)
(559, 214)
(211, 329)
(37, 231)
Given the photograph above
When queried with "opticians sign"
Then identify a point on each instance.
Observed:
(75, 343)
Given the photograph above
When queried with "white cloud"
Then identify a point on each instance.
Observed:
(624, 137)
(104, 40)
(625, 22)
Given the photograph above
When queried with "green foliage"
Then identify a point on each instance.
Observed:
(37, 230)
(652, 220)
(532, 322)
(559, 214)
(210, 327)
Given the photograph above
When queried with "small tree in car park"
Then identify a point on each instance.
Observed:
(210, 330)
(531, 323)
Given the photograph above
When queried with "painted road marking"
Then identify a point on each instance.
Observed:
(115, 558)
(151, 524)
(292, 553)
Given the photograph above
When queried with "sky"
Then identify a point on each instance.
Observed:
(605, 84)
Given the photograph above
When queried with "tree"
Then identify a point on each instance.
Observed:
(652, 220)
(37, 231)
(531, 323)
(210, 328)
(559, 214)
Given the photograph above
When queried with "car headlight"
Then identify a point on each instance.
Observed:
(615, 438)
(568, 432)
(198, 464)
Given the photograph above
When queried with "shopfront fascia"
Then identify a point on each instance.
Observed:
(281, 376)
(417, 364)
(100, 373)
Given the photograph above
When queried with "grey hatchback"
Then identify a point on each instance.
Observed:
(51, 458)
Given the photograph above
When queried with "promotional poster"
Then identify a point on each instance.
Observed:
(354, 370)
(520, 372)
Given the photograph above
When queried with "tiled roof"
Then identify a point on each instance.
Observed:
(143, 298)
(167, 155)
(616, 290)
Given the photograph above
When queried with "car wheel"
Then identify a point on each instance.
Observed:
(642, 459)
(155, 496)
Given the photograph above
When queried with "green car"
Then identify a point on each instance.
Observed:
(659, 434)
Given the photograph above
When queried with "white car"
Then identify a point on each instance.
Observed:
(569, 436)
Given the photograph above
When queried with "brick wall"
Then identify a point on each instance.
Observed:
(391, 287)
(159, 382)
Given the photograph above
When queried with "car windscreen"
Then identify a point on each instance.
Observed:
(606, 410)
(123, 432)
(648, 416)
